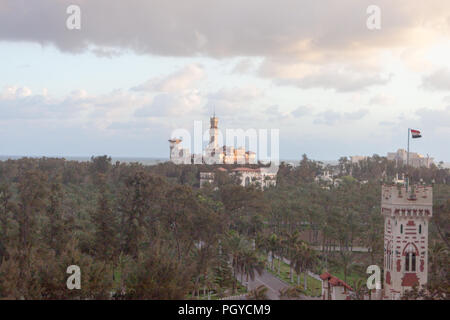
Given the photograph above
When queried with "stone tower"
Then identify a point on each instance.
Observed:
(213, 154)
(406, 219)
(178, 155)
(174, 148)
(214, 132)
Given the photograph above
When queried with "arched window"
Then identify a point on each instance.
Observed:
(401, 228)
(407, 262)
(410, 258)
(413, 261)
(390, 259)
(420, 228)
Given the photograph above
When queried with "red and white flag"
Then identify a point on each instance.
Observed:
(415, 133)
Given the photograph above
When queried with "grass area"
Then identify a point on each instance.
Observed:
(352, 278)
(313, 285)
(356, 272)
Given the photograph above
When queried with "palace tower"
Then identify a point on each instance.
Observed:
(406, 220)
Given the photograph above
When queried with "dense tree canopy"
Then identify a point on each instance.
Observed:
(150, 232)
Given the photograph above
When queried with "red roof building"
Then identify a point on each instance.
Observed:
(334, 288)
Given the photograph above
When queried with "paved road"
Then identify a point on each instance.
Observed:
(267, 279)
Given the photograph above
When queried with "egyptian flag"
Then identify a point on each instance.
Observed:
(415, 134)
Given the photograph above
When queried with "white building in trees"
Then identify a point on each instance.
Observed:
(416, 160)
(213, 153)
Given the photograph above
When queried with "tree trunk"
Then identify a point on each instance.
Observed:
(271, 262)
(279, 265)
(305, 280)
(234, 282)
(246, 285)
(291, 273)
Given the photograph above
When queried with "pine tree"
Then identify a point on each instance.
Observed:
(55, 237)
(6, 207)
(32, 196)
(105, 240)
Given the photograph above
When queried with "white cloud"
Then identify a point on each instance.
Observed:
(338, 80)
(15, 92)
(244, 65)
(434, 118)
(331, 117)
(78, 105)
(235, 101)
(173, 105)
(382, 99)
(301, 111)
(303, 43)
(439, 80)
(187, 78)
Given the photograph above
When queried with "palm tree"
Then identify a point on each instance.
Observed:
(235, 246)
(297, 262)
(250, 264)
(273, 245)
(305, 259)
(259, 293)
(291, 243)
(309, 261)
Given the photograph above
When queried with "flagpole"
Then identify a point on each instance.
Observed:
(407, 163)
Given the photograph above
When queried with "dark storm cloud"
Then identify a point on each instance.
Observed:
(213, 28)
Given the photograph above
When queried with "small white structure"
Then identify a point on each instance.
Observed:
(334, 288)
(324, 177)
(206, 177)
(262, 177)
(406, 219)
(357, 159)
(327, 179)
(399, 181)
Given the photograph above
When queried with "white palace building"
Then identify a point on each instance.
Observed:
(213, 153)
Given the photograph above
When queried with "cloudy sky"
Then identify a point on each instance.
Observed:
(137, 70)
